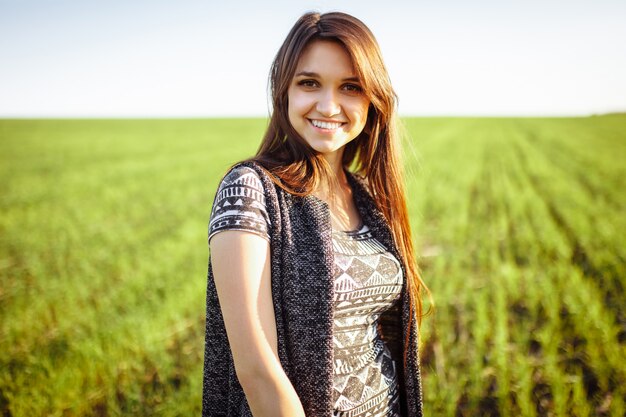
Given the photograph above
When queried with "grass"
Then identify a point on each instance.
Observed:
(519, 223)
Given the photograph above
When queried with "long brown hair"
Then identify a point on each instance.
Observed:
(374, 153)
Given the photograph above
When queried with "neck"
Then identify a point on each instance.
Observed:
(339, 186)
(335, 161)
(344, 215)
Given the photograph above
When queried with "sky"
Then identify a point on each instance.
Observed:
(186, 58)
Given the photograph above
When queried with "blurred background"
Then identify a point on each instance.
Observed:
(118, 119)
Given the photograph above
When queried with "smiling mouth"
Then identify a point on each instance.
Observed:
(326, 125)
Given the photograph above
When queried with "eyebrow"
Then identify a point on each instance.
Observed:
(316, 75)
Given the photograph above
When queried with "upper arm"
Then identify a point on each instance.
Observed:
(242, 274)
(240, 259)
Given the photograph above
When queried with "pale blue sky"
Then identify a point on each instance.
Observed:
(211, 58)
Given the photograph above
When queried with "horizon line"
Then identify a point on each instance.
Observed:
(252, 116)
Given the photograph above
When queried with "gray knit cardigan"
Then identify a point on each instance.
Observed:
(302, 294)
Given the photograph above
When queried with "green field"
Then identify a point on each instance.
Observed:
(520, 223)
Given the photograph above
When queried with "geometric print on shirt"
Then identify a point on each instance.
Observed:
(368, 282)
(240, 204)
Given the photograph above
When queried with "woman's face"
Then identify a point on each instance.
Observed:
(327, 106)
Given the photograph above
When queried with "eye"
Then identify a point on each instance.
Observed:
(308, 83)
(353, 88)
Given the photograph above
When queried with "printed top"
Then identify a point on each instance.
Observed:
(367, 282)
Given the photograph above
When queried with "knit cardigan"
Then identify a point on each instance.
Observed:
(302, 294)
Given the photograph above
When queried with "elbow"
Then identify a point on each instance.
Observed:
(257, 387)
(256, 367)
(269, 392)
(255, 378)
(247, 377)
(250, 375)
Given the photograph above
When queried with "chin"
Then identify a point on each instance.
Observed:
(324, 148)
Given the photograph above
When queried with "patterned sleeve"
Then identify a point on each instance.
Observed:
(240, 204)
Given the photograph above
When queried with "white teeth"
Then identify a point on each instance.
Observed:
(326, 125)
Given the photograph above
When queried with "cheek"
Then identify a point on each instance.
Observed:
(360, 111)
(298, 104)
(292, 105)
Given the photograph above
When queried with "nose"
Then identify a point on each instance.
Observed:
(328, 105)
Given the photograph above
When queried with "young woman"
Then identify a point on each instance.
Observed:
(313, 298)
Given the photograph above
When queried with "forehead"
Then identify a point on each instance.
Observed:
(325, 57)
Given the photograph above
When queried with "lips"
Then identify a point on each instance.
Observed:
(326, 125)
